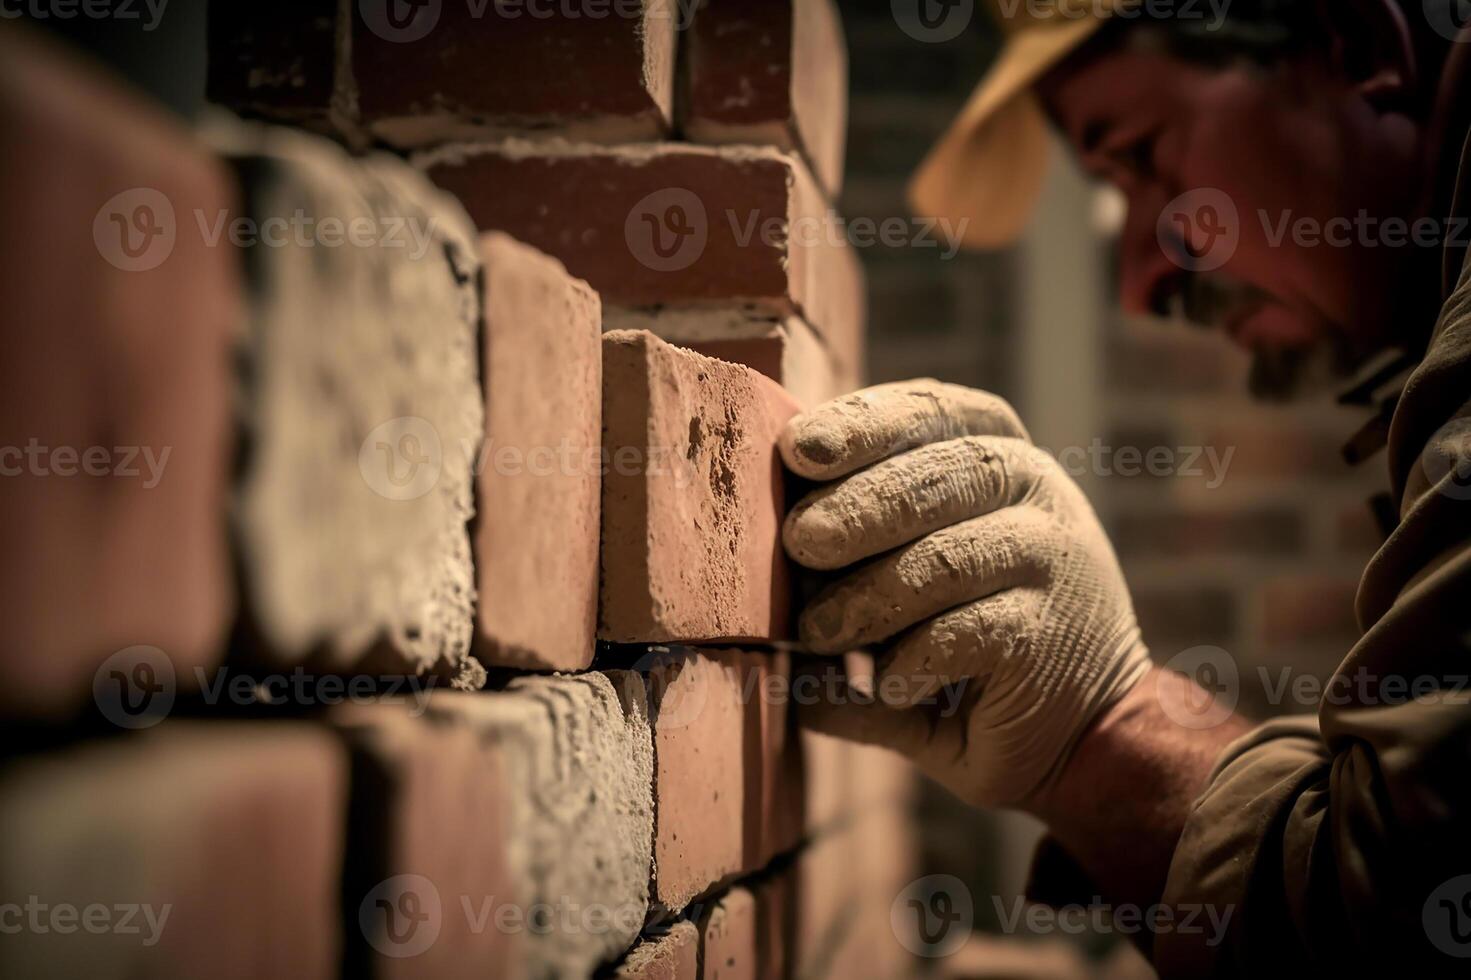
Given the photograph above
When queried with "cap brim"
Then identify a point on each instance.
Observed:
(985, 174)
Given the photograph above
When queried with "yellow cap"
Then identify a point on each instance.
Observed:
(987, 170)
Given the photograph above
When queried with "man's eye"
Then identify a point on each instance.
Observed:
(1138, 156)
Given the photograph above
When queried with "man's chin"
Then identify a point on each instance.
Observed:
(1282, 375)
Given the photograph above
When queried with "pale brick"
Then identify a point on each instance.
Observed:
(234, 831)
(450, 70)
(673, 226)
(728, 773)
(363, 410)
(538, 798)
(539, 477)
(693, 497)
(115, 389)
(770, 72)
(673, 956)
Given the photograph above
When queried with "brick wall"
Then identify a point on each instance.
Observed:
(447, 639)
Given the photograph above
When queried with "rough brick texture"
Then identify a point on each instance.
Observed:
(449, 70)
(364, 411)
(539, 475)
(114, 388)
(728, 774)
(786, 350)
(693, 497)
(550, 780)
(233, 832)
(728, 938)
(672, 956)
(770, 72)
(670, 225)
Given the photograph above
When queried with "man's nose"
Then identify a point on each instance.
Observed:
(1145, 270)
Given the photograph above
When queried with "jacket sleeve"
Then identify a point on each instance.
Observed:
(1341, 845)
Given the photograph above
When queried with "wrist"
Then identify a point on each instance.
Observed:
(1123, 797)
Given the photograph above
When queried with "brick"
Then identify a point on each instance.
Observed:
(728, 773)
(234, 829)
(364, 413)
(532, 805)
(845, 883)
(1185, 617)
(672, 956)
(608, 78)
(1308, 608)
(728, 938)
(539, 479)
(787, 351)
(693, 498)
(452, 71)
(1247, 531)
(750, 229)
(115, 365)
(772, 73)
(277, 60)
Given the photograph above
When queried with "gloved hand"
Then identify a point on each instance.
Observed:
(973, 560)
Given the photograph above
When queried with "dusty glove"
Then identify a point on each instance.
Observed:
(978, 567)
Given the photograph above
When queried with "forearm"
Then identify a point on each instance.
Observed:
(1121, 803)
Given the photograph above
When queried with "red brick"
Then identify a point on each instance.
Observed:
(760, 235)
(1266, 530)
(1310, 608)
(497, 68)
(728, 938)
(728, 769)
(236, 829)
(693, 497)
(539, 477)
(533, 805)
(104, 354)
(276, 59)
(457, 71)
(770, 72)
(789, 353)
(672, 956)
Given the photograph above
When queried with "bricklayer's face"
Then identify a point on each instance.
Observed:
(1310, 167)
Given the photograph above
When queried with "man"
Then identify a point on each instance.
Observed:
(970, 560)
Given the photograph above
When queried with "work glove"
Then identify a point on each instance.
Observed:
(979, 573)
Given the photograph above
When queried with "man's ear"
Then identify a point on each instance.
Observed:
(1371, 44)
